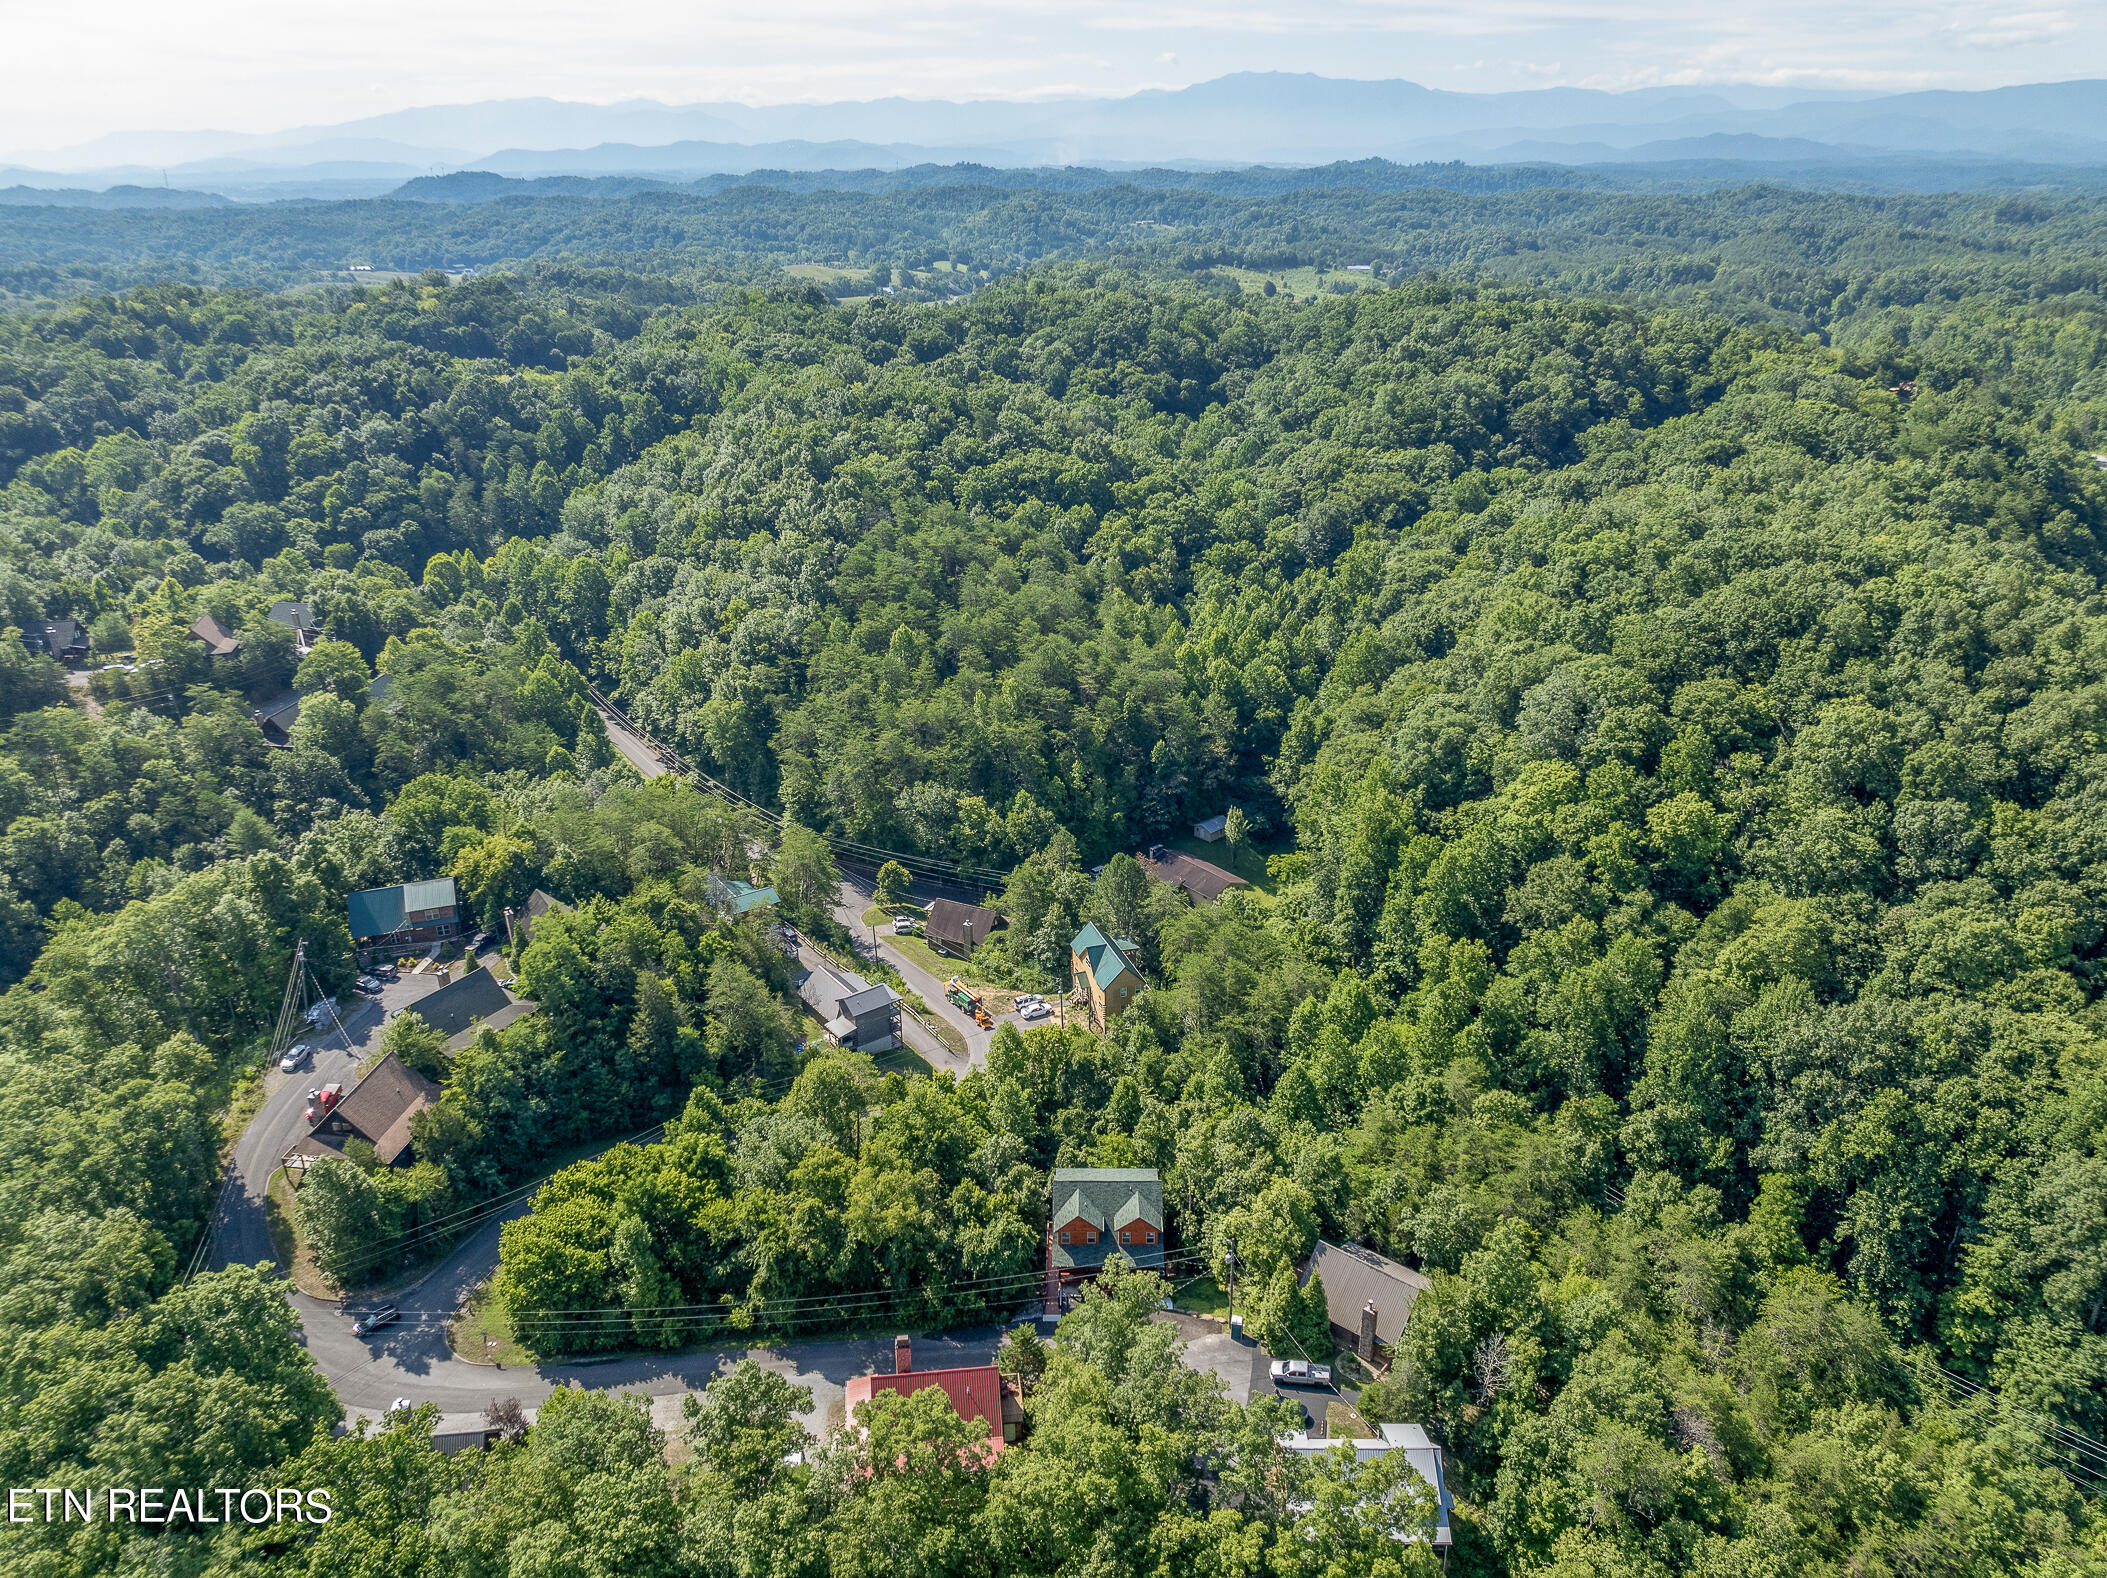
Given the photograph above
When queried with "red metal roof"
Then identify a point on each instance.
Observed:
(974, 1392)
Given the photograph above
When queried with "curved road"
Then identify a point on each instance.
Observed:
(413, 1358)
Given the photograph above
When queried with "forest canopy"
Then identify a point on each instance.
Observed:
(1655, 643)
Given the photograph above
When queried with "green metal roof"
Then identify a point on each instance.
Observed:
(745, 896)
(1103, 955)
(375, 912)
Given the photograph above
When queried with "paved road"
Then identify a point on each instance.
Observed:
(413, 1359)
(849, 905)
(632, 745)
(848, 909)
(240, 1236)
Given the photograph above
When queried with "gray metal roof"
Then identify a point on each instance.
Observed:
(868, 1001)
(1353, 1277)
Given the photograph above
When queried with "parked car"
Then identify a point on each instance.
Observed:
(370, 985)
(402, 1405)
(296, 1056)
(387, 972)
(903, 925)
(374, 1319)
(479, 942)
(1300, 1372)
(1034, 1011)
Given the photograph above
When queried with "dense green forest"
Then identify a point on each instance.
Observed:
(1661, 640)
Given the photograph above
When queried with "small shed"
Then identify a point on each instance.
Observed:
(1212, 830)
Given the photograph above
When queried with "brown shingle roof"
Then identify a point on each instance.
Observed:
(380, 1106)
(948, 919)
(218, 639)
(1354, 1277)
(1198, 878)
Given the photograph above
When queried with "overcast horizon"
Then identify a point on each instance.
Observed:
(114, 66)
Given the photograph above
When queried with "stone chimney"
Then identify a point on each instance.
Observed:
(903, 1355)
(1367, 1346)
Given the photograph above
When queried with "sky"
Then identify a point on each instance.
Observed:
(70, 72)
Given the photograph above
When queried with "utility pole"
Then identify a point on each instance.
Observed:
(1230, 1264)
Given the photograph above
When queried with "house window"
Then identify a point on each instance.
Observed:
(1152, 1235)
(1090, 1237)
(1125, 1237)
(1122, 991)
(1064, 1237)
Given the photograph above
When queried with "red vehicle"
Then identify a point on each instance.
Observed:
(320, 1101)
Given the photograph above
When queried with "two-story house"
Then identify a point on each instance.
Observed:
(1097, 1210)
(1103, 969)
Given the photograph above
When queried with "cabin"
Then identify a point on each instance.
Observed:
(61, 638)
(1368, 1298)
(520, 923)
(1103, 972)
(1202, 881)
(218, 640)
(737, 898)
(955, 930)
(379, 1109)
(858, 1016)
(477, 1001)
(978, 1393)
(300, 619)
(1419, 1451)
(276, 718)
(1099, 1210)
(408, 915)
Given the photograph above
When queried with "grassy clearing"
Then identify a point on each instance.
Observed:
(1302, 284)
(1343, 1422)
(902, 1060)
(1201, 1296)
(285, 1239)
(242, 1106)
(948, 1033)
(483, 1331)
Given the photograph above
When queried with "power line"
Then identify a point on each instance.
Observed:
(969, 875)
(798, 1311)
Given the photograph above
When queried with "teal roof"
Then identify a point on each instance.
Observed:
(375, 912)
(745, 896)
(1103, 955)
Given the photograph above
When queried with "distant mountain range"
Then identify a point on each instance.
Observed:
(1251, 118)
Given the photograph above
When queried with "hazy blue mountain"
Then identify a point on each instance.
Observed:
(1250, 118)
